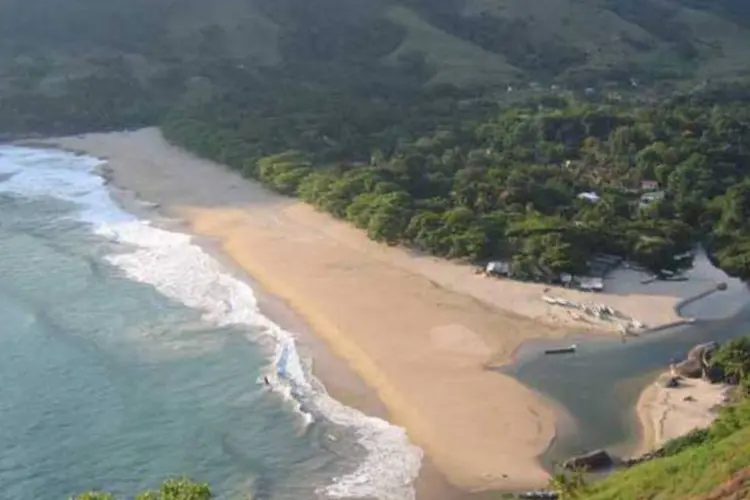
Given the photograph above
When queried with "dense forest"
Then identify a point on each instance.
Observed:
(545, 176)
(547, 183)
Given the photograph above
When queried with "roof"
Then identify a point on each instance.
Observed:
(590, 196)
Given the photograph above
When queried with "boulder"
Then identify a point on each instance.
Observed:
(702, 351)
(594, 460)
(669, 382)
(690, 368)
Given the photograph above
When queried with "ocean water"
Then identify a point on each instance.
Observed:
(128, 355)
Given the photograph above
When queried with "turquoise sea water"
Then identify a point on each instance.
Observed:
(128, 355)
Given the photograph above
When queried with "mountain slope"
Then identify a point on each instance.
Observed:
(452, 59)
(463, 41)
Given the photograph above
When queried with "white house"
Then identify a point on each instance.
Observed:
(589, 196)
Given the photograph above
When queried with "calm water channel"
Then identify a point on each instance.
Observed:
(599, 385)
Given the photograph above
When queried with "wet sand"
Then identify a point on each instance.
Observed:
(668, 413)
(421, 332)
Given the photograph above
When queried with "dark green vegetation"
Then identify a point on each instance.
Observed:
(172, 489)
(706, 464)
(350, 105)
(504, 182)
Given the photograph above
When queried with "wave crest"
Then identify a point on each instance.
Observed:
(182, 271)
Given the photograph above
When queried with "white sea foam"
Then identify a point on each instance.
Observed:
(182, 271)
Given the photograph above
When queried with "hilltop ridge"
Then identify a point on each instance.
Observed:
(461, 41)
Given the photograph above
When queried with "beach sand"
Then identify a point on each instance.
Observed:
(420, 331)
(668, 413)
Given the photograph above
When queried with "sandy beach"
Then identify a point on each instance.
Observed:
(420, 331)
(668, 413)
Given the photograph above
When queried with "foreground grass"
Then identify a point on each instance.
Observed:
(692, 473)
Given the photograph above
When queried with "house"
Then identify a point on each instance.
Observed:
(649, 185)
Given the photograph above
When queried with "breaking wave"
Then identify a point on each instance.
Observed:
(182, 271)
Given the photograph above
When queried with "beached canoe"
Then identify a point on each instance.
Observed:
(562, 350)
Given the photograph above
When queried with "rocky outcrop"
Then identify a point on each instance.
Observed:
(669, 381)
(703, 352)
(629, 462)
(698, 361)
(595, 460)
(690, 368)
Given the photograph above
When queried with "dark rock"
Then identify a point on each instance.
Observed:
(670, 382)
(690, 368)
(595, 460)
(702, 351)
(715, 374)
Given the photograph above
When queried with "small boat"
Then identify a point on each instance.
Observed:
(562, 350)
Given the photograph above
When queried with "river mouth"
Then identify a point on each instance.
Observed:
(600, 384)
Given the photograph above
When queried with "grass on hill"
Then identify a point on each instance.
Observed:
(692, 473)
(249, 35)
(454, 60)
(706, 464)
(638, 36)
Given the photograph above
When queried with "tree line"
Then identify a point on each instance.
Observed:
(546, 180)
(505, 182)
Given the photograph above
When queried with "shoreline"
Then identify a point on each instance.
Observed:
(538, 429)
(667, 413)
(340, 381)
(418, 331)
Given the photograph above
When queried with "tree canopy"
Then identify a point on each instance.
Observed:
(171, 489)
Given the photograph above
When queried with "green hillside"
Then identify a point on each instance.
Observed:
(707, 464)
(715, 469)
(462, 128)
(467, 41)
(350, 109)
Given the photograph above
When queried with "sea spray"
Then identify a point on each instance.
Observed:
(182, 271)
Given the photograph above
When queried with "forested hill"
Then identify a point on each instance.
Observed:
(463, 42)
(465, 128)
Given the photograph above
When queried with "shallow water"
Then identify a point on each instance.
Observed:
(128, 355)
(600, 384)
